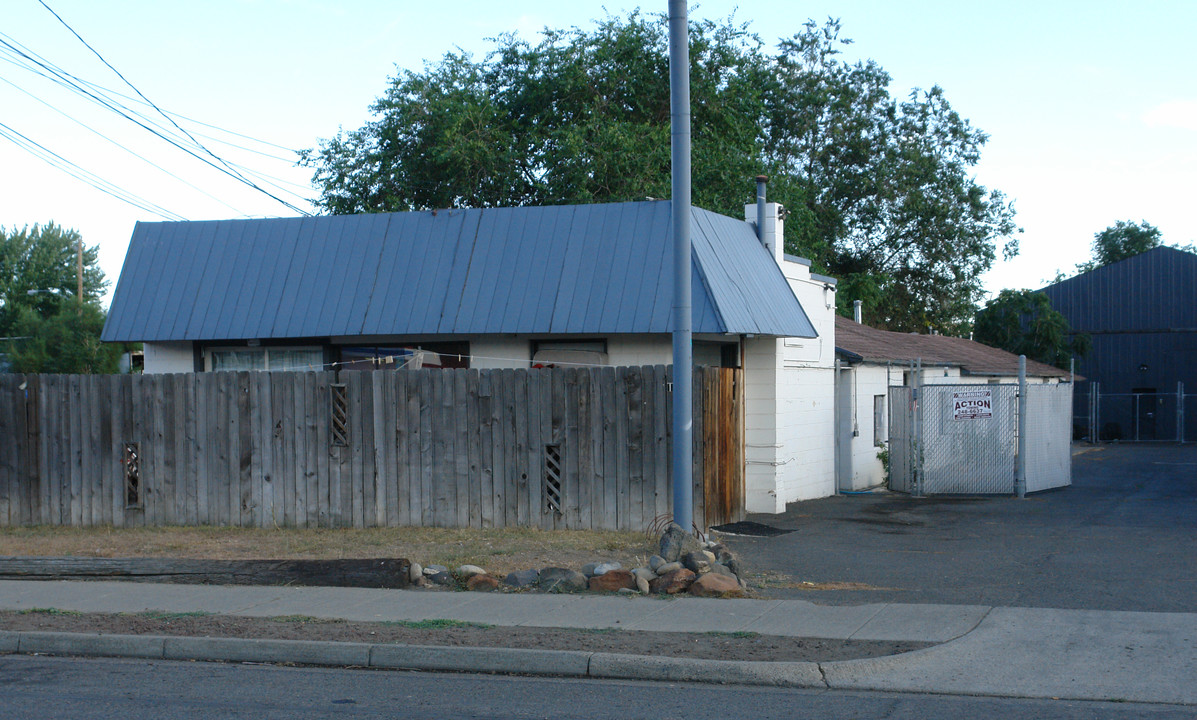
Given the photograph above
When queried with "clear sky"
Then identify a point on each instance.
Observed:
(1091, 107)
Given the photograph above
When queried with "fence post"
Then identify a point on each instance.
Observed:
(918, 428)
(1020, 464)
(1180, 412)
(1135, 396)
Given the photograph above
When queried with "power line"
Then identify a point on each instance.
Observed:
(61, 77)
(55, 160)
(44, 68)
(122, 147)
(227, 169)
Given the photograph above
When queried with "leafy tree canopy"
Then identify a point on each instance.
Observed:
(1025, 323)
(878, 189)
(50, 330)
(1122, 240)
(67, 341)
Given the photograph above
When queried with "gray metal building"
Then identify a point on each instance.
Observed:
(1141, 314)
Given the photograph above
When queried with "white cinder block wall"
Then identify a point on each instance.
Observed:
(168, 357)
(789, 395)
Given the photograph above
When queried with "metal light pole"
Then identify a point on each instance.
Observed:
(683, 372)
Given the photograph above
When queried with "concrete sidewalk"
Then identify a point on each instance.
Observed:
(1010, 652)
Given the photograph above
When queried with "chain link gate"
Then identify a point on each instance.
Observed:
(963, 439)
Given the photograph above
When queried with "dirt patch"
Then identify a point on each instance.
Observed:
(499, 551)
(709, 646)
(780, 580)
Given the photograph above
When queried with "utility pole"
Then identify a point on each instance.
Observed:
(79, 271)
(683, 365)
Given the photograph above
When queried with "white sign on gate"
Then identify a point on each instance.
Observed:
(972, 404)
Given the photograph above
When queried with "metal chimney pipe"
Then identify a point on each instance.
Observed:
(683, 363)
(761, 181)
(856, 310)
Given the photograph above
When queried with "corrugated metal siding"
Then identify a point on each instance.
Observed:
(568, 269)
(1141, 311)
(1156, 290)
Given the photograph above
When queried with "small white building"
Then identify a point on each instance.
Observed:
(871, 361)
(500, 288)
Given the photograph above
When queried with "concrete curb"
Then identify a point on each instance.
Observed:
(732, 672)
(304, 652)
(559, 663)
(568, 663)
(63, 643)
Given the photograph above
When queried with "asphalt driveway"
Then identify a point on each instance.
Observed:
(1122, 537)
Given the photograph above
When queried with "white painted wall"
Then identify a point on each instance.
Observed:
(640, 350)
(493, 352)
(516, 352)
(789, 396)
(169, 357)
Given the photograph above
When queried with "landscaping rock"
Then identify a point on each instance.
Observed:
(734, 565)
(482, 583)
(466, 572)
(434, 569)
(721, 569)
(415, 572)
(642, 585)
(421, 581)
(645, 573)
(677, 542)
(555, 579)
(604, 568)
(667, 568)
(655, 562)
(698, 562)
(441, 578)
(673, 583)
(626, 591)
(709, 555)
(599, 568)
(722, 554)
(613, 581)
(716, 585)
(522, 578)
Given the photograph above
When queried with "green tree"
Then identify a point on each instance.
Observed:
(896, 214)
(48, 329)
(67, 341)
(1025, 323)
(1120, 241)
(581, 116)
(43, 258)
(878, 190)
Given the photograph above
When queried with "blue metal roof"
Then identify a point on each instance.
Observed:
(529, 270)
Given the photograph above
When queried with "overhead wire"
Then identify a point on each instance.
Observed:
(24, 142)
(149, 162)
(74, 83)
(227, 169)
(49, 71)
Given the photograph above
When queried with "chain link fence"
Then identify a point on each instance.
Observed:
(963, 439)
(1143, 417)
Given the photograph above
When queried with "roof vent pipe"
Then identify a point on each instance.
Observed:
(856, 310)
(761, 180)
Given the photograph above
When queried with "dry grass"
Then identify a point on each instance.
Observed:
(499, 551)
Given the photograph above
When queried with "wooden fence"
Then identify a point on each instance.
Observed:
(551, 448)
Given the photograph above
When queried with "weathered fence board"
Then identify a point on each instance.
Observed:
(550, 448)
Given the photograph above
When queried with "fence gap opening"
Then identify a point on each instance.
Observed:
(552, 478)
(131, 460)
(339, 421)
